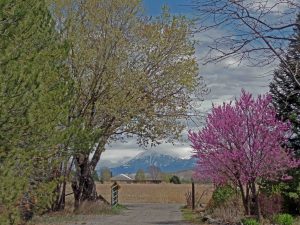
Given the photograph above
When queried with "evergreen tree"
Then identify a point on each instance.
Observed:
(175, 180)
(34, 98)
(286, 98)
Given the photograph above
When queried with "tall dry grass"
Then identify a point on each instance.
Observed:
(155, 193)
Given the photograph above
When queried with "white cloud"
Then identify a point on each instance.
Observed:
(275, 6)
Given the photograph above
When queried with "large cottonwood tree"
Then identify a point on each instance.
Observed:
(134, 76)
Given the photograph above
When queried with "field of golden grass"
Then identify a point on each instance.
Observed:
(155, 193)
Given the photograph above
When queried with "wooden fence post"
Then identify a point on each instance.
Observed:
(193, 194)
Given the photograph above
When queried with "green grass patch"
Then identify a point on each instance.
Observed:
(117, 209)
(191, 216)
(250, 221)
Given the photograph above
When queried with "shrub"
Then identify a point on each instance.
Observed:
(289, 190)
(250, 221)
(222, 194)
(283, 219)
(231, 211)
(95, 208)
(270, 204)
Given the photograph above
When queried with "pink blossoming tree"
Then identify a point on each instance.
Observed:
(242, 143)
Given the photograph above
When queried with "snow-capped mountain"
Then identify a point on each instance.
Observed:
(166, 163)
(109, 164)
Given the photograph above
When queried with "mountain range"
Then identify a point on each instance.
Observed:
(166, 163)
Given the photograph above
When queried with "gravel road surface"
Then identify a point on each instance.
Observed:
(141, 214)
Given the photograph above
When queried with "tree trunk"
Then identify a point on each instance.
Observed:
(245, 198)
(256, 201)
(83, 185)
(248, 200)
(59, 203)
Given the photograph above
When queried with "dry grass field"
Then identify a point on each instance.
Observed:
(155, 193)
(149, 193)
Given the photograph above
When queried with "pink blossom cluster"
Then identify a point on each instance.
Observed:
(243, 141)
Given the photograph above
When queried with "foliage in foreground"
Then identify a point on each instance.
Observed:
(34, 105)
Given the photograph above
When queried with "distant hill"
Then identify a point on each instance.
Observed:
(166, 163)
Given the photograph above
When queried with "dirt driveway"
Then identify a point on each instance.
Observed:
(140, 214)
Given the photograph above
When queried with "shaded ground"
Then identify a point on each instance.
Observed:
(139, 214)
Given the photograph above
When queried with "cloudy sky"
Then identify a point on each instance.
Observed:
(225, 81)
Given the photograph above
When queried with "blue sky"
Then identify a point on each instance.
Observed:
(224, 79)
(153, 7)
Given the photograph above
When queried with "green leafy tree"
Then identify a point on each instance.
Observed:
(133, 77)
(106, 174)
(165, 177)
(286, 98)
(140, 175)
(34, 98)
